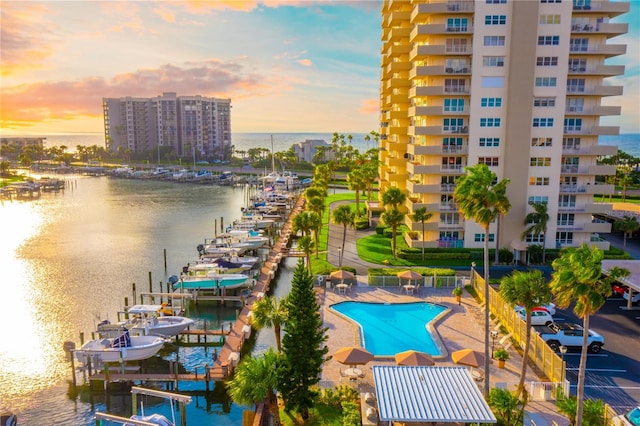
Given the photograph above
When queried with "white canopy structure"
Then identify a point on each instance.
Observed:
(429, 394)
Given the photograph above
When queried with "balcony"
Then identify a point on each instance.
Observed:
(397, 17)
(593, 130)
(608, 50)
(602, 170)
(601, 227)
(612, 29)
(422, 31)
(425, 71)
(590, 189)
(611, 8)
(451, 225)
(447, 187)
(439, 130)
(418, 188)
(421, 169)
(419, 91)
(399, 33)
(596, 110)
(423, 10)
(438, 50)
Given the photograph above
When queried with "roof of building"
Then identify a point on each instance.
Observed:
(429, 394)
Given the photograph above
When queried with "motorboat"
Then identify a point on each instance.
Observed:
(119, 345)
(212, 280)
(152, 319)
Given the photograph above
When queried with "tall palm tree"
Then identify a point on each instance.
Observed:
(342, 215)
(392, 217)
(393, 197)
(306, 245)
(316, 205)
(628, 225)
(578, 278)
(480, 197)
(315, 223)
(526, 289)
(357, 182)
(536, 222)
(270, 312)
(421, 215)
(300, 223)
(255, 380)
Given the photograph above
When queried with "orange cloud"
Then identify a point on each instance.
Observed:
(305, 62)
(30, 104)
(370, 106)
(165, 14)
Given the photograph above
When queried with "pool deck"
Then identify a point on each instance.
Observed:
(461, 328)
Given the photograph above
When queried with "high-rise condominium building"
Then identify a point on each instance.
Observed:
(188, 125)
(514, 84)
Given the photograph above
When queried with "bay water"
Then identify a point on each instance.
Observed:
(69, 259)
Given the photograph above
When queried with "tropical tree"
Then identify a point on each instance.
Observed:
(303, 348)
(300, 223)
(393, 197)
(357, 182)
(315, 223)
(628, 225)
(526, 289)
(316, 206)
(255, 380)
(306, 245)
(270, 312)
(536, 223)
(421, 215)
(578, 278)
(507, 407)
(479, 196)
(342, 215)
(393, 218)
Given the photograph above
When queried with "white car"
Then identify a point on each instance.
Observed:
(538, 316)
(549, 307)
(634, 299)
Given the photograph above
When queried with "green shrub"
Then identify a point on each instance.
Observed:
(351, 414)
(380, 229)
(535, 254)
(505, 256)
(427, 272)
(361, 223)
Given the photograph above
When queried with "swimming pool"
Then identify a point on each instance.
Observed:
(389, 328)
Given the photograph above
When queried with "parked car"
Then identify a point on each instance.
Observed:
(619, 289)
(630, 418)
(635, 298)
(538, 316)
(549, 307)
(570, 336)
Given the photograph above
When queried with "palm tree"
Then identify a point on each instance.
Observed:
(315, 223)
(421, 215)
(306, 245)
(526, 289)
(578, 278)
(342, 215)
(628, 225)
(479, 197)
(255, 380)
(300, 223)
(393, 197)
(269, 312)
(392, 217)
(537, 224)
(357, 182)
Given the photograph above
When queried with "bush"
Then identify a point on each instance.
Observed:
(505, 256)
(380, 229)
(535, 254)
(361, 223)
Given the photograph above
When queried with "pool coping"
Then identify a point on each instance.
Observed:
(430, 326)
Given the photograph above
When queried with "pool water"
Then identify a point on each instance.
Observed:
(389, 328)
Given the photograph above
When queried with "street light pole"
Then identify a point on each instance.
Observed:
(473, 273)
(563, 350)
(340, 258)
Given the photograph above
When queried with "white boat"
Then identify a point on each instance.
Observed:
(121, 347)
(149, 319)
(210, 281)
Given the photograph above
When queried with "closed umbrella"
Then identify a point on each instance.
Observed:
(414, 358)
(468, 357)
(352, 355)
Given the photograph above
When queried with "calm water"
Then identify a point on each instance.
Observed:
(408, 321)
(69, 260)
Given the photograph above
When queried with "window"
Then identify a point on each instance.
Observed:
(449, 235)
(479, 238)
(547, 61)
(546, 81)
(489, 142)
(456, 45)
(454, 105)
(531, 238)
(574, 105)
(571, 144)
(452, 124)
(538, 199)
(572, 125)
(577, 65)
(494, 40)
(457, 25)
(541, 141)
(489, 161)
(548, 40)
(450, 218)
(543, 122)
(567, 201)
(550, 1)
(451, 144)
(544, 102)
(539, 181)
(575, 85)
(489, 122)
(549, 19)
(564, 237)
(581, 4)
(493, 61)
(496, 1)
(491, 102)
(495, 19)
(566, 219)
(454, 85)
(579, 45)
(540, 161)
(492, 82)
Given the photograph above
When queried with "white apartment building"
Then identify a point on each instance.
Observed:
(515, 84)
(190, 125)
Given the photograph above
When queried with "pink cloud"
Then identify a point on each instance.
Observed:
(305, 62)
(370, 106)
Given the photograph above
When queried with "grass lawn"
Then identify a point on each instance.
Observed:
(320, 415)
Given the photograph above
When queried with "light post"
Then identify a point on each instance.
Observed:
(494, 335)
(473, 273)
(563, 350)
(340, 258)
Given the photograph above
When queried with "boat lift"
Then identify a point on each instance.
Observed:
(135, 391)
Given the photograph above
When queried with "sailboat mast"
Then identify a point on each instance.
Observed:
(273, 157)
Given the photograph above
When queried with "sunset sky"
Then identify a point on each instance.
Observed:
(287, 65)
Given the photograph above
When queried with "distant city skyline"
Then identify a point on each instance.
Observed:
(287, 66)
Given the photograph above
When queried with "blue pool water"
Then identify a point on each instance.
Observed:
(389, 328)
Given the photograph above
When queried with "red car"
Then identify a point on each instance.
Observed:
(619, 289)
